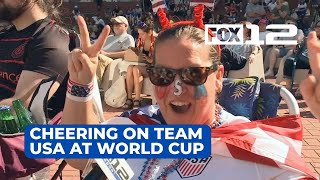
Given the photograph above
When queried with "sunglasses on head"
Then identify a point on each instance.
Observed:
(141, 24)
(194, 76)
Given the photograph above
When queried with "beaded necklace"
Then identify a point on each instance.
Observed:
(151, 166)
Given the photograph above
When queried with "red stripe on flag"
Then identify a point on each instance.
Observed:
(241, 154)
(288, 126)
(194, 167)
(186, 171)
(294, 160)
(182, 165)
(200, 168)
(141, 119)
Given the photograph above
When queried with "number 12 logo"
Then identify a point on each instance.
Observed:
(232, 34)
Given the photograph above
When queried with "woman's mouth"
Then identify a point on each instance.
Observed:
(180, 106)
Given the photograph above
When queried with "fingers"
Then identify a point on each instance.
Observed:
(314, 54)
(76, 54)
(71, 67)
(98, 45)
(310, 92)
(307, 88)
(86, 62)
(84, 34)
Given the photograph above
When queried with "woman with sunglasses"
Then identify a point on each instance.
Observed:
(136, 74)
(187, 75)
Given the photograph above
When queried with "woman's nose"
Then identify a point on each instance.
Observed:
(177, 87)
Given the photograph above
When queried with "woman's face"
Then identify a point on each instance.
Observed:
(181, 103)
(143, 35)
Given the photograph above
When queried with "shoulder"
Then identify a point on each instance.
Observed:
(52, 34)
(228, 119)
(128, 36)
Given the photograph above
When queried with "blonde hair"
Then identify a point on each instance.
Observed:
(190, 32)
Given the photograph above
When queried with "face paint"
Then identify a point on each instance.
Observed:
(161, 91)
(201, 91)
(177, 85)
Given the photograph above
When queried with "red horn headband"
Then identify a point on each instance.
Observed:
(197, 22)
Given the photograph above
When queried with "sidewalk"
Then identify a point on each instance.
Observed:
(311, 139)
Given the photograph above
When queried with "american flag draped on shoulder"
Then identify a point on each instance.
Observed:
(275, 142)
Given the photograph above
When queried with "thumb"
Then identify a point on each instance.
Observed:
(307, 88)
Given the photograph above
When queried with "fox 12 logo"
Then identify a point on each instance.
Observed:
(232, 34)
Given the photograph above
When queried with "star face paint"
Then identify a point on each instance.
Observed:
(201, 91)
(178, 87)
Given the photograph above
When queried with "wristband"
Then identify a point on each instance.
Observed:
(79, 92)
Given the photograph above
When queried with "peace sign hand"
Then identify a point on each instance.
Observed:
(310, 87)
(82, 63)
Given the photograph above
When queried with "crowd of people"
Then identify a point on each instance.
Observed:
(187, 73)
(234, 57)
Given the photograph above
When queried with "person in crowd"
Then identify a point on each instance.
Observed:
(271, 5)
(254, 11)
(263, 23)
(136, 74)
(232, 11)
(36, 48)
(33, 47)
(96, 30)
(281, 12)
(282, 51)
(99, 4)
(116, 45)
(115, 11)
(302, 8)
(299, 60)
(188, 78)
(235, 57)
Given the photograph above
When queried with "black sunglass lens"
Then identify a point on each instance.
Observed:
(161, 76)
(194, 75)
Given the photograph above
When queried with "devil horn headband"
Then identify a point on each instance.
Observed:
(197, 21)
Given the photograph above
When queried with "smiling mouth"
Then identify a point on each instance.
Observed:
(180, 107)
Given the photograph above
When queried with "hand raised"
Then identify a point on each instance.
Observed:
(310, 87)
(82, 64)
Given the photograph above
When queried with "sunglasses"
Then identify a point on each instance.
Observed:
(194, 76)
(141, 24)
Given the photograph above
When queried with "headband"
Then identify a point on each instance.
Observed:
(197, 21)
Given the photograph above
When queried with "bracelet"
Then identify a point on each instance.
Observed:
(79, 92)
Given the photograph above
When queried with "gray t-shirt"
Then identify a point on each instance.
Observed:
(251, 8)
(119, 43)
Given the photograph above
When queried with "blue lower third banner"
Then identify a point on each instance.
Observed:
(118, 141)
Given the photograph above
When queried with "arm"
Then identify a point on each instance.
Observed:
(113, 55)
(46, 56)
(82, 65)
(26, 86)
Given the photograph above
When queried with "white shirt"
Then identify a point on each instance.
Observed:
(119, 43)
(215, 167)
